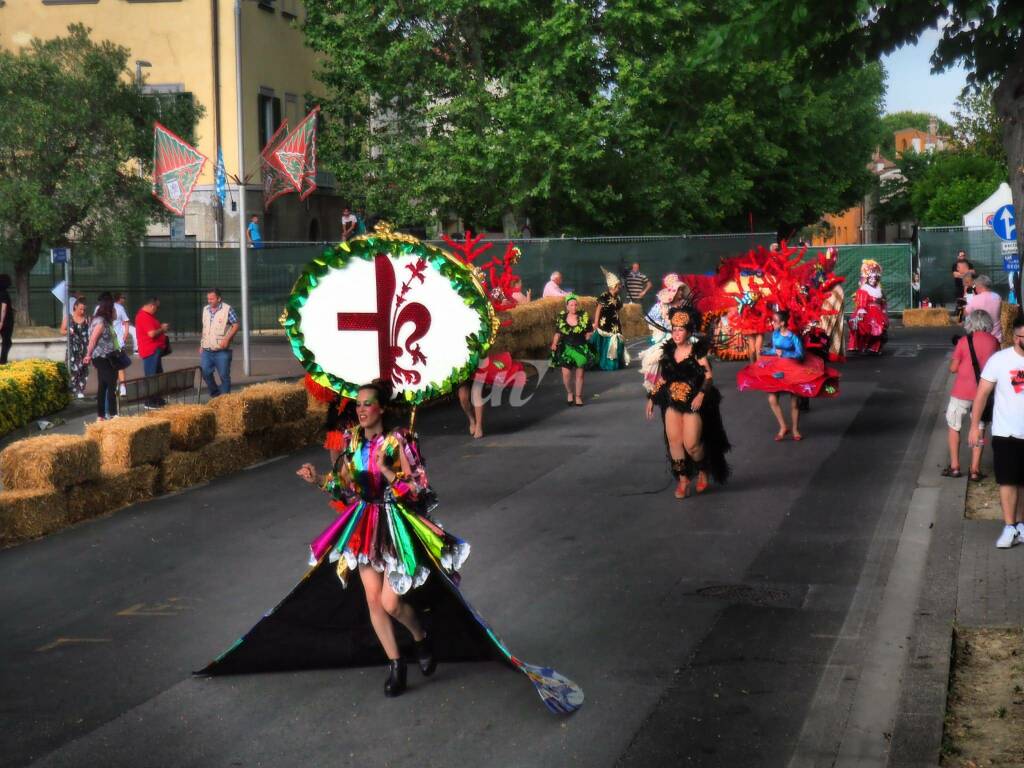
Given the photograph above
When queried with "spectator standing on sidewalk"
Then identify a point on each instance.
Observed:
(123, 329)
(987, 300)
(637, 284)
(1004, 373)
(969, 357)
(79, 341)
(220, 324)
(152, 336)
(103, 345)
(252, 232)
(6, 318)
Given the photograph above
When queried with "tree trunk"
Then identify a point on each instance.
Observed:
(1009, 102)
(23, 264)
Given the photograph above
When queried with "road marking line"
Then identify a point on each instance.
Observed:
(172, 607)
(68, 640)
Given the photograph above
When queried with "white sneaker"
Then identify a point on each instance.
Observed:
(122, 390)
(80, 396)
(1020, 533)
(1008, 537)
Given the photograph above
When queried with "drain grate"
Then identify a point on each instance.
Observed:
(744, 593)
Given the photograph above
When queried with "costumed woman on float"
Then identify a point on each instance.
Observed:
(783, 367)
(384, 558)
(683, 387)
(608, 342)
(570, 350)
(869, 323)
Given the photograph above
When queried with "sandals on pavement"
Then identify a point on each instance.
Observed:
(976, 477)
(950, 472)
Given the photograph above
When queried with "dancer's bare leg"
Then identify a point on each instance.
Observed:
(464, 401)
(794, 415)
(773, 403)
(579, 386)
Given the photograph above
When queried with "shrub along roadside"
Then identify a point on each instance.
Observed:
(30, 389)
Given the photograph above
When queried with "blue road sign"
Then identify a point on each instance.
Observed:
(1011, 263)
(1004, 223)
(60, 255)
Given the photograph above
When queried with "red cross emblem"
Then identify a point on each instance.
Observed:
(389, 326)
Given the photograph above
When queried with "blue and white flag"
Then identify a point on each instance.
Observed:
(220, 178)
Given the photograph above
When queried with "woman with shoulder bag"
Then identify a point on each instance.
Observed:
(106, 356)
(969, 357)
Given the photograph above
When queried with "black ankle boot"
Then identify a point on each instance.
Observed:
(395, 683)
(425, 656)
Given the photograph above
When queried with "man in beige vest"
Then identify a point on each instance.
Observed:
(220, 324)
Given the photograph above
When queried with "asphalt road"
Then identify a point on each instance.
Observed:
(703, 632)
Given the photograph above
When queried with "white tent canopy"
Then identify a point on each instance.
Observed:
(982, 215)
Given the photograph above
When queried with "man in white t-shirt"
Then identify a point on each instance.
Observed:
(348, 224)
(1004, 373)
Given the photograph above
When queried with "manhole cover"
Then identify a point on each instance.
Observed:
(742, 593)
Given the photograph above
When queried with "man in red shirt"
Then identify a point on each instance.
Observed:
(152, 339)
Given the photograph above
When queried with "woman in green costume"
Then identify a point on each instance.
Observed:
(570, 350)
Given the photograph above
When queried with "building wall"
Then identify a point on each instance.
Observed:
(176, 37)
(846, 228)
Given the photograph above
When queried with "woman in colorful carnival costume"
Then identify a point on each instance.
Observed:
(608, 342)
(690, 406)
(570, 350)
(675, 294)
(782, 367)
(407, 570)
(869, 324)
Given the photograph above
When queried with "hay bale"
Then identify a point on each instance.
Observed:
(230, 453)
(291, 436)
(632, 319)
(929, 317)
(192, 426)
(48, 462)
(114, 489)
(287, 398)
(242, 414)
(131, 441)
(180, 469)
(29, 513)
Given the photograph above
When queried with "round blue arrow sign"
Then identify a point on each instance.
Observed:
(1004, 223)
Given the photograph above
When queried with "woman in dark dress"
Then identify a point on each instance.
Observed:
(78, 339)
(607, 341)
(690, 402)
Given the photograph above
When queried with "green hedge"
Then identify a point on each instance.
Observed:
(31, 389)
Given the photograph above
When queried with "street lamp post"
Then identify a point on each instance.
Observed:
(242, 255)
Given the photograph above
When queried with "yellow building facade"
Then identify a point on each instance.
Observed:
(189, 46)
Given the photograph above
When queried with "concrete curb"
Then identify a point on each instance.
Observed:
(918, 728)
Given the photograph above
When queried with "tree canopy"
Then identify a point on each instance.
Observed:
(895, 121)
(75, 131)
(585, 117)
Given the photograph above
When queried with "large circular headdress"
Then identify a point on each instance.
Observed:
(388, 306)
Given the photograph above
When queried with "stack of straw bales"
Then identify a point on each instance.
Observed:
(527, 330)
(37, 475)
(50, 482)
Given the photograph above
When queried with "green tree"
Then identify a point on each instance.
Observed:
(953, 184)
(75, 133)
(586, 117)
(977, 125)
(895, 121)
(985, 36)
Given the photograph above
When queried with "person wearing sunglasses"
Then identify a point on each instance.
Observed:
(683, 387)
(383, 532)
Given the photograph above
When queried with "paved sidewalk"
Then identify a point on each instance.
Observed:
(990, 589)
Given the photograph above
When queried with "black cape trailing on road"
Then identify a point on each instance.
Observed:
(322, 624)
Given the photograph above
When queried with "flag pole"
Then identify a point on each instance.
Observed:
(242, 245)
